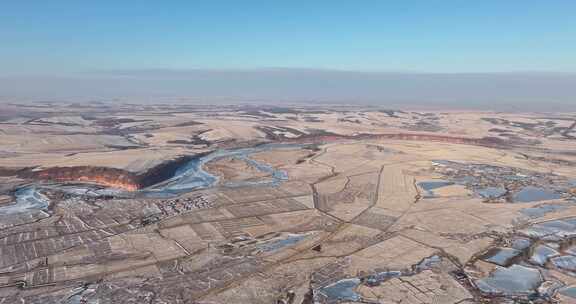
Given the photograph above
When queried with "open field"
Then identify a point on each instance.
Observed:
(247, 204)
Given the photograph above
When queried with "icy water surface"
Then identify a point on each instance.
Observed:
(549, 246)
(553, 230)
(513, 280)
(378, 278)
(27, 198)
(289, 240)
(567, 262)
(568, 291)
(539, 211)
(429, 186)
(571, 250)
(342, 290)
(541, 255)
(521, 243)
(83, 295)
(189, 177)
(192, 176)
(502, 256)
(535, 194)
(345, 289)
(491, 192)
(427, 263)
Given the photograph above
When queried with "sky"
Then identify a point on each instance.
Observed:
(92, 41)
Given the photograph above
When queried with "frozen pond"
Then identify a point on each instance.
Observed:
(343, 290)
(567, 262)
(539, 211)
(568, 291)
(553, 230)
(521, 243)
(535, 194)
(506, 184)
(502, 256)
(429, 186)
(288, 240)
(549, 246)
(541, 255)
(514, 280)
(491, 192)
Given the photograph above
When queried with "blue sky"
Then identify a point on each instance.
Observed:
(58, 37)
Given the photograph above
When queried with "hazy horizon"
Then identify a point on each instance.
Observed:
(491, 91)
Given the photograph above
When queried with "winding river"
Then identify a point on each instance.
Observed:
(191, 176)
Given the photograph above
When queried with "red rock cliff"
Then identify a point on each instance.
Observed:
(110, 177)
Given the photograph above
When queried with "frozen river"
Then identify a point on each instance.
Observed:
(191, 176)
